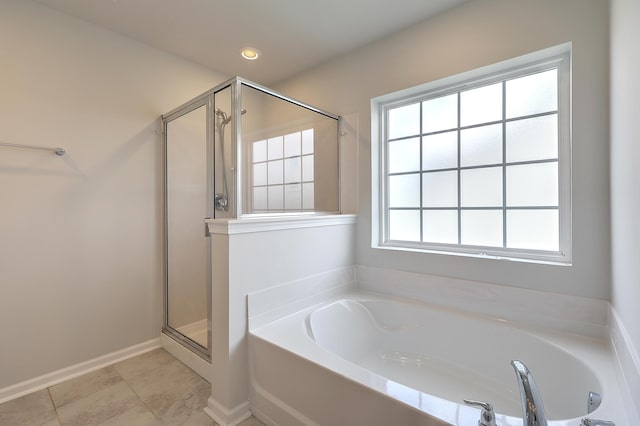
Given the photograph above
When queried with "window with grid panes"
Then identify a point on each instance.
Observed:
(480, 166)
(282, 173)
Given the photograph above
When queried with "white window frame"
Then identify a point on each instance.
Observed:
(557, 56)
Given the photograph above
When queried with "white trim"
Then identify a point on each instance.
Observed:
(46, 380)
(628, 366)
(225, 417)
(187, 357)
(276, 223)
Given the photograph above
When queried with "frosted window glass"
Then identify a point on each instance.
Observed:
(260, 174)
(404, 225)
(260, 198)
(307, 141)
(440, 114)
(404, 155)
(292, 172)
(293, 197)
(532, 185)
(404, 191)
(276, 197)
(481, 228)
(274, 148)
(259, 151)
(532, 139)
(533, 229)
(440, 189)
(292, 144)
(481, 105)
(274, 171)
(307, 168)
(532, 94)
(440, 226)
(481, 145)
(307, 196)
(440, 151)
(404, 121)
(481, 187)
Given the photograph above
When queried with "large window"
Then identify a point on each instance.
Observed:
(480, 165)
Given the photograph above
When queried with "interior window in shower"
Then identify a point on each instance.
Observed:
(282, 173)
(289, 156)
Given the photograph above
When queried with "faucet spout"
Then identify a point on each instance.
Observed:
(532, 408)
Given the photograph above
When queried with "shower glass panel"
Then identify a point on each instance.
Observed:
(290, 156)
(187, 203)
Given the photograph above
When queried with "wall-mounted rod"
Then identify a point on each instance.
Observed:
(58, 151)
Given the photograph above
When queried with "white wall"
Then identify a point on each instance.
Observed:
(625, 176)
(80, 235)
(253, 255)
(475, 34)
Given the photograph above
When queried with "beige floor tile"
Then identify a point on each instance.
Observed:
(85, 385)
(160, 389)
(144, 363)
(251, 421)
(188, 410)
(34, 409)
(99, 406)
(138, 416)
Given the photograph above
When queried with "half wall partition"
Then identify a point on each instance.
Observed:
(280, 158)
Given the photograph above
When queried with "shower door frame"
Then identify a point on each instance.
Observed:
(204, 100)
(208, 98)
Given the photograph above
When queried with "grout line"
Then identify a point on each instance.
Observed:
(55, 409)
(144, 404)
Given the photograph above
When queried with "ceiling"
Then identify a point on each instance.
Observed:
(292, 35)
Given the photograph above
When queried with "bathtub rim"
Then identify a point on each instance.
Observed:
(312, 352)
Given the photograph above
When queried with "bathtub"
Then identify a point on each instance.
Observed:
(362, 359)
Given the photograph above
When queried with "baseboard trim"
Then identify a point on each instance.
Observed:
(44, 381)
(225, 417)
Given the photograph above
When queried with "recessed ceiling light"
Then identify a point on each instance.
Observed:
(250, 53)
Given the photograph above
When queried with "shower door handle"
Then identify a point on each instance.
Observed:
(206, 228)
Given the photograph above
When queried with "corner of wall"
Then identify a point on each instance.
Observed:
(627, 367)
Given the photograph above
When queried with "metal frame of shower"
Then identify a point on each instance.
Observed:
(208, 99)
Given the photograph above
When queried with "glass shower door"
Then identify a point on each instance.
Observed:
(188, 202)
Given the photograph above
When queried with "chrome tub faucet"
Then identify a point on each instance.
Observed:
(532, 408)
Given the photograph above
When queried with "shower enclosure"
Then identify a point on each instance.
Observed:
(280, 157)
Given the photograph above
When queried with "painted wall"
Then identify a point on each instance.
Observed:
(625, 175)
(475, 34)
(80, 235)
(248, 258)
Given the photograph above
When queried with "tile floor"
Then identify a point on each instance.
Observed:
(151, 389)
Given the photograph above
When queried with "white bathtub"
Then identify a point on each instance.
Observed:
(365, 360)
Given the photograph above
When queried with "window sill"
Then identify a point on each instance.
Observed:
(558, 261)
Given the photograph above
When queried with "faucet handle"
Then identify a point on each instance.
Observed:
(487, 416)
(594, 422)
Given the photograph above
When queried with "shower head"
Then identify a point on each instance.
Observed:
(224, 117)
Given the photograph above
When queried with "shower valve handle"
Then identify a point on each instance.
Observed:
(487, 416)
(221, 202)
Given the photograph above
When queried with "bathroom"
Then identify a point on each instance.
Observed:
(81, 252)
